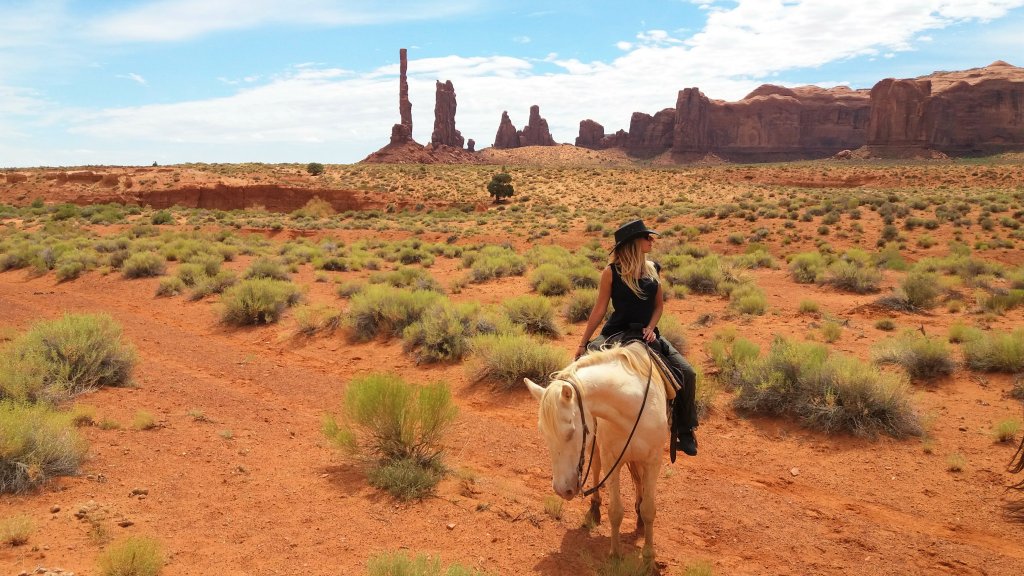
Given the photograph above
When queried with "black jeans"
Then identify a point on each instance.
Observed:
(686, 412)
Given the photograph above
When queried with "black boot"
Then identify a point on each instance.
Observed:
(687, 442)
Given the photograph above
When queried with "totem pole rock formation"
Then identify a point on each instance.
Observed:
(507, 137)
(536, 132)
(402, 132)
(444, 117)
(591, 134)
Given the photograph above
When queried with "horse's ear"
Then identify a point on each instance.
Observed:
(567, 392)
(535, 389)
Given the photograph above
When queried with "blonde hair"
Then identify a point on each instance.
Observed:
(633, 266)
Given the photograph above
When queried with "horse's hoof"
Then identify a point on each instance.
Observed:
(595, 512)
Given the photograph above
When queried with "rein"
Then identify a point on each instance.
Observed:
(583, 418)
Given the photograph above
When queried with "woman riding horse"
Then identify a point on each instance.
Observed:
(631, 283)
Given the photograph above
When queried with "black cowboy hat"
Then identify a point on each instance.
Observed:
(629, 231)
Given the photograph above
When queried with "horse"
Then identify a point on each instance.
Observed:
(613, 399)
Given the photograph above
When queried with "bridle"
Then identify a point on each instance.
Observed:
(583, 418)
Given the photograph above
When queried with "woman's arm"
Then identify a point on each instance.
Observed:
(604, 294)
(659, 306)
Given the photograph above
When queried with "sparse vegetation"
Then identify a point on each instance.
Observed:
(133, 556)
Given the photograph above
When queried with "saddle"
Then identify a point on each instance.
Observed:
(672, 380)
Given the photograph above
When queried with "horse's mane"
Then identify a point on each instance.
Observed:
(1016, 509)
(633, 358)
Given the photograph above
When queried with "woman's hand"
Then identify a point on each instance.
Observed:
(648, 334)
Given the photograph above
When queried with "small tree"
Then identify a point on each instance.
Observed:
(500, 186)
(315, 168)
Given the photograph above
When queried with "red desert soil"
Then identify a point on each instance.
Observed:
(252, 487)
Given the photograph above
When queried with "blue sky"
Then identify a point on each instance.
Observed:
(130, 82)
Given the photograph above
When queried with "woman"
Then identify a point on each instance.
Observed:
(631, 283)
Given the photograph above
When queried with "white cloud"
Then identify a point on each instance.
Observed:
(133, 77)
(521, 39)
(175, 20)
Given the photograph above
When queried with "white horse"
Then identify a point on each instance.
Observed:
(616, 398)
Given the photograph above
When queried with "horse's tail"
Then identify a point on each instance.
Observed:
(1016, 509)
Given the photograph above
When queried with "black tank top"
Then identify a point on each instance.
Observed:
(627, 307)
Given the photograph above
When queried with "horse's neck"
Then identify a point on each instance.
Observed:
(605, 397)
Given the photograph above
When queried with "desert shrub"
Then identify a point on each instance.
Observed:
(729, 352)
(808, 307)
(407, 277)
(70, 265)
(705, 276)
(404, 478)
(385, 310)
(830, 392)
(143, 265)
(442, 332)
(505, 359)
(133, 556)
(190, 273)
(15, 530)
(960, 332)
(550, 280)
(920, 289)
(63, 357)
(748, 299)
(400, 564)
(831, 331)
(995, 352)
(314, 319)
(756, 258)
(266, 268)
(579, 304)
(349, 288)
(215, 284)
(315, 208)
(38, 443)
(853, 276)
(534, 313)
(258, 301)
(1001, 302)
(807, 267)
(398, 425)
(584, 276)
(162, 217)
(922, 357)
(1006, 430)
(493, 262)
(314, 168)
(885, 324)
(171, 286)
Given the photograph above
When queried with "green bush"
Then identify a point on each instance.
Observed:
(400, 564)
(315, 168)
(920, 289)
(921, 356)
(1001, 302)
(853, 276)
(442, 332)
(407, 277)
(385, 310)
(960, 332)
(534, 313)
(36, 444)
(143, 265)
(550, 280)
(748, 299)
(215, 284)
(314, 319)
(730, 352)
(398, 425)
(704, 276)
(60, 358)
(579, 304)
(258, 301)
(171, 286)
(825, 391)
(162, 217)
(996, 352)
(266, 268)
(404, 478)
(134, 556)
(493, 262)
(505, 359)
(807, 267)
(673, 331)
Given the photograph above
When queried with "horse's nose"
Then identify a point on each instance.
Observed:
(568, 493)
